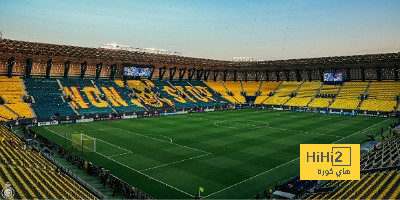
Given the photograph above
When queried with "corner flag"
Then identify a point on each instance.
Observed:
(201, 189)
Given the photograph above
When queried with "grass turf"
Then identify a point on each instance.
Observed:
(231, 154)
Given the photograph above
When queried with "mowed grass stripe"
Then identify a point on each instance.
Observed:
(237, 153)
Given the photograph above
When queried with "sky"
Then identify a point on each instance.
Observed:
(216, 29)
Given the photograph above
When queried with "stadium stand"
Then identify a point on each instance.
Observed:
(349, 95)
(47, 97)
(118, 96)
(386, 154)
(6, 114)
(197, 92)
(372, 185)
(265, 89)
(251, 87)
(86, 98)
(33, 176)
(180, 98)
(235, 90)
(143, 92)
(305, 94)
(379, 177)
(381, 96)
(207, 91)
(220, 88)
(283, 93)
(325, 96)
(11, 91)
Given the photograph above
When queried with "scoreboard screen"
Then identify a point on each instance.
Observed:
(333, 77)
(136, 71)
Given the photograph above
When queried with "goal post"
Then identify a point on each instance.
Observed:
(83, 143)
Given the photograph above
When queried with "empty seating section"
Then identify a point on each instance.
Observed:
(265, 89)
(306, 92)
(47, 96)
(372, 185)
(207, 91)
(236, 89)
(6, 114)
(141, 95)
(384, 184)
(34, 177)
(144, 94)
(282, 93)
(12, 92)
(387, 154)
(220, 88)
(251, 87)
(86, 98)
(348, 97)
(325, 96)
(197, 92)
(177, 95)
(118, 96)
(381, 96)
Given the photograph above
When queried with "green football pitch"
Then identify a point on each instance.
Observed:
(231, 154)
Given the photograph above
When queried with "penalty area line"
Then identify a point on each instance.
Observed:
(135, 170)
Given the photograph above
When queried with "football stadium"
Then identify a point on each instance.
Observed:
(123, 122)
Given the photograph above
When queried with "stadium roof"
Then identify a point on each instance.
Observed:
(61, 53)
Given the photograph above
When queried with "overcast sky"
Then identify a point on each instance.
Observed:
(218, 29)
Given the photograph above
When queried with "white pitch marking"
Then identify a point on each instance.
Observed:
(150, 177)
(364, 130)
(179, 161)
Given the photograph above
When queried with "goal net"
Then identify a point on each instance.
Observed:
(83, 143)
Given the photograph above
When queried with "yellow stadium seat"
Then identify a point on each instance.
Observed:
(348, 97)
(282, 93)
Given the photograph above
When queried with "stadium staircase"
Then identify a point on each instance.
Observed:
(107, 101)
(220, 88)
(34, 177)
(336, 96)
(26, 94)
(168, 89)
(283, 93)
(318, 91)
(365, 93)
(7, 114)
(242, 89)
(259, 88)
(12, 92)
(63, 92)
(47, 97)
(208, 91)
(11, 111)
(145, 95)
(269, 88)
(195, 88)
(86, 99)
(186, 102)
(382, 96)
(349, 96)
(235, 89)
(294, 93)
